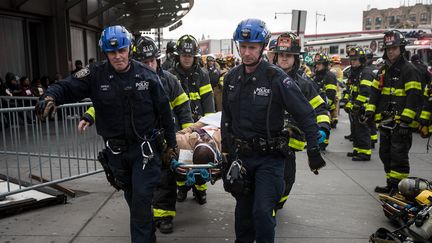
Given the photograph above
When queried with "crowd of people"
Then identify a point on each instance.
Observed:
(272, 105)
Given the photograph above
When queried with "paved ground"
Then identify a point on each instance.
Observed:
(338, 205)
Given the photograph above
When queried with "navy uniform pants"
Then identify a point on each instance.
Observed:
(138, 186)
(254, 215)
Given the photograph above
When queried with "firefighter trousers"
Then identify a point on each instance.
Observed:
(361, 136)
(164, 202)
(393, 152)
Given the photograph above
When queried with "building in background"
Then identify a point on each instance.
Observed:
(404, 17)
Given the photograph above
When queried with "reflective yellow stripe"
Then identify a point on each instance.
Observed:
(426, 92)
(365, 82)
(393, 91)
(91, 111)
(364, 151)
(201, 187)
(317, 101)
(413, 85)
(346, 96)
(355, 88)
(205, 89)
(181, 183)
(370, 107)
(378, 117)
(296, 144)
(408, 113)
(425, 115)
(397, 175)
(414, 124)
(186, 125)
(160, 213)
(361, 98)
(283, 199)
(194, 96)
(326, 141)
(349, 105)
(273, 213)
(205, 114)
(333, 106)
(179, 100)
(375, 84)
(330, 86)
(323, 118)
(374, 137)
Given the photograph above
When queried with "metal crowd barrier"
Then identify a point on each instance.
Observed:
(52, 150)
(17, 101)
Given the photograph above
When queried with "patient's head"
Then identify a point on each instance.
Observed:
(205, 152)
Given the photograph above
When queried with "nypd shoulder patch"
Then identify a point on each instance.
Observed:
(82, 73)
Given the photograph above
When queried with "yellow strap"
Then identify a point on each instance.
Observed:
(413, 85)
(186, 125)
(330, 86)
(202, 187)
(205, 89)
(91, 111)
(194, 96)
(323, 118)
(182, 98)
(397, 175)
(316, 101)
(365, 82)
(160, 213)
(408, 113)
(425, 115)
(296, 144)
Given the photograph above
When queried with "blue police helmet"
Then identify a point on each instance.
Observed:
(114, 38)
(252, 30)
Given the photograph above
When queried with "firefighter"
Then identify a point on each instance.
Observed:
(425, 119)
(170, 57)
(214, 74)
(196, 83)
(327, 84)
(394, 103)
(287, 57)
(131, 131)
(371, 123)
(337, 71)
(270, 52)
(254, 143)
(361, 79)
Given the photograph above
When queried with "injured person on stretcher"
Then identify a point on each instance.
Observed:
(200, 146)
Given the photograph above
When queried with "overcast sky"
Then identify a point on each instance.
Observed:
(219, 18)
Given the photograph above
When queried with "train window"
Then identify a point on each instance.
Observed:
(334, 49)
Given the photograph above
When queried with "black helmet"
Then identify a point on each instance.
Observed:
(321, 58)
(394, 38)
(187, 44)
(288, 43)
(171, 47)
(369, 53)
(145, 48)
(356, 53)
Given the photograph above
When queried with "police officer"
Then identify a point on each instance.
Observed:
(196, 83)
(132, 92)
(394, 102)
(360, 79)
(254, 142)
(327, 84)
(170, 57)
(287, 57)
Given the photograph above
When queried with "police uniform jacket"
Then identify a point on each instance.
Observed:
(119, 97)
(360, 80)
(397, 83)
(179, 101)
(327, 83)
(196, 84)
(246, 98)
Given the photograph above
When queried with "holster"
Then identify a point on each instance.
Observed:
(159, 140)
(103, 160)
(235, 180)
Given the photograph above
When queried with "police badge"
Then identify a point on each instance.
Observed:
(82, 73)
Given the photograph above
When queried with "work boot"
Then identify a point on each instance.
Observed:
(181, 194)
(333, 123)
(200, 196)
(349, 137)
(165, 225)
(352, 154)
(361, 157)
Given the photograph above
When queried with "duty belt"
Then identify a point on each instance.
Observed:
(261, 145)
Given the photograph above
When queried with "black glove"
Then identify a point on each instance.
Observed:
(88, 118)
(45, 107)
(315, 160)
(403, 129)
(168, 155)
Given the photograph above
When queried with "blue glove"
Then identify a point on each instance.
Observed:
(322, 137)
